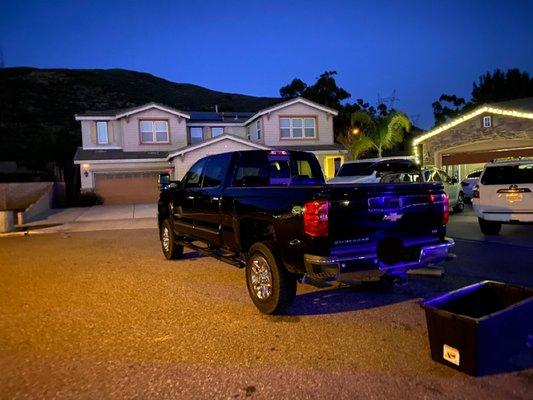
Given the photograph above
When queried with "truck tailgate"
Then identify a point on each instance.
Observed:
(363, 212)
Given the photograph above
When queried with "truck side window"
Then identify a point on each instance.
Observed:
(193, 177)
(252, 170)
(215, 170)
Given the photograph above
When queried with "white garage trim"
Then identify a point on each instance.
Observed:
(217, 139)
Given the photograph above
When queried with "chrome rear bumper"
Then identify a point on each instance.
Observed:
(331, 267)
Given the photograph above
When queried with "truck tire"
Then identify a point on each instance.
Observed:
(171, 249)
(271, 287)
(489, 227)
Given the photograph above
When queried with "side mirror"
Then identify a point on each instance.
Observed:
(163, 181)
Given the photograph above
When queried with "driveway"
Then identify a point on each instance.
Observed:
(104, 315)
(95, 218)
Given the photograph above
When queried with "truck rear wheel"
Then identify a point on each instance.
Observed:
(171, 249)
(271, 287)
(489, 227)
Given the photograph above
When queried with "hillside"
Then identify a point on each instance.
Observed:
(37, 107)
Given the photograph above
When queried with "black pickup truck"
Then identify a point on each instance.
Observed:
(272, 213)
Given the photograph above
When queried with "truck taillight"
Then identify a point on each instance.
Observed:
(442, 199)
(475, 192)
(316, 222)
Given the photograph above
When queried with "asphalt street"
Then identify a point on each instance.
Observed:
(104, 315)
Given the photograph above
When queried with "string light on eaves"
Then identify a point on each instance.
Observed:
(457, 121)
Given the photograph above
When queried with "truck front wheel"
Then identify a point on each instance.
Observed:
(271, 287)
(171, 249)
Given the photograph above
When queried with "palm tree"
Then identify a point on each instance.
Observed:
(370, 133)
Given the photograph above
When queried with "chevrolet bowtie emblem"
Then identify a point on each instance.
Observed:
(393, 217)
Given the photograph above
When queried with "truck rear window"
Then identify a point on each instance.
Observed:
(276, 169)
(508, 174)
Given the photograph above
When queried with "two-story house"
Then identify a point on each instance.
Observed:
(124, 150)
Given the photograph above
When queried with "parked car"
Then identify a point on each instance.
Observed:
(272, 213)
(504, 195)
(452, 188)
(469, 182)
(372, 170)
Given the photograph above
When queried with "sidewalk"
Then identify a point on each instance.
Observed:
(96, 218)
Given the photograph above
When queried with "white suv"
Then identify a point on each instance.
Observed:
(504, 194)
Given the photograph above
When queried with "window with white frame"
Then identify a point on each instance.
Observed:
(487, 121)
(297, 128)
(102, 136)
(216, 131)
(154, 131)
(258, 129)
(196, 134)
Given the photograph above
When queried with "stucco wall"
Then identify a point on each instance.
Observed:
(88, 134)
(271, 133)
(131, 134)
(19, 196)
(472, 131)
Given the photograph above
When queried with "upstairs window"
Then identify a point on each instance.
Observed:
(154, 131)
(101, 132)
(487, 121)
(258, 129)
(196, 135)
(297, 128)
(216, 131)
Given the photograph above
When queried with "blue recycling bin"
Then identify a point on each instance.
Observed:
(479, 328)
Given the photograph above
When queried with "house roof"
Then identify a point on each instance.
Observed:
(523, 104)
(290, 102)
(220, 117)
(86, 155)
(208, 142)
(123, 112)
(519, 108)
(313, 147)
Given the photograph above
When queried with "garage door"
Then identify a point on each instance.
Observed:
(127, 188)
(484, 156)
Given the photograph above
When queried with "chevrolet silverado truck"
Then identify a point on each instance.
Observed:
(271, 213)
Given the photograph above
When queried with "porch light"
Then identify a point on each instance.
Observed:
(355, 131)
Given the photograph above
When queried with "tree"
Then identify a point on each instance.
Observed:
(490, 88)
(295, 89)
(448, 106)
(370, 133)
(324, 91)
(500, 86)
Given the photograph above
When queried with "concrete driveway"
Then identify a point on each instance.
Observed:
(95, 218)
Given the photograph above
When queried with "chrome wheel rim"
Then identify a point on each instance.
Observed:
(261, 278)
(166, 239)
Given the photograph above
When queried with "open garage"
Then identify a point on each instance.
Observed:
(466, 143)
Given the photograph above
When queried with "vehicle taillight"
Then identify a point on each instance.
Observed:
(442, 199)
(475, 192)
(316, 221)
(446, 210)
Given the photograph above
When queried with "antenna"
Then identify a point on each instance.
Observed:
(388, 101)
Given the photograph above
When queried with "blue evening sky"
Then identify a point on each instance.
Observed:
(420, 49)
